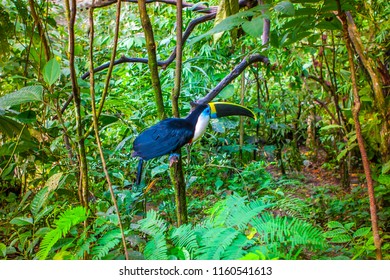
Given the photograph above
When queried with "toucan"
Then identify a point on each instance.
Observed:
(171, 134)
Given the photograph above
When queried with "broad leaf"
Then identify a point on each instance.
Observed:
(21, 221)
(285, 7)
(38, 201)
(51, 71)
(24, 95)
(226, 92)
(362, 232)
(159, 169)
(254, 27)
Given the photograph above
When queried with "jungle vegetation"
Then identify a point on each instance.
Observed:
(309, 179)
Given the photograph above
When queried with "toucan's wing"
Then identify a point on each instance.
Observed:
(163, 138)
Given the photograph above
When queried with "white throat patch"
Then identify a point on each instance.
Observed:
(201, 126)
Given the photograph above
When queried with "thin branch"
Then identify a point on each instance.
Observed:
(195, 7)
(96, 126)
(162, 63)
(110, 68)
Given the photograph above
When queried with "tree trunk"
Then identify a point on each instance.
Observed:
(83, 165)
(379, 97)
(176, 170)
(355, 114)
(152, 58)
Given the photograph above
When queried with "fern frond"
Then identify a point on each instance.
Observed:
(156, 248)
(287, 234)
(152, 224)
(69, 218)
(104, 244)
(235, 211)
(48, 242)
(185, 237)
(236, 250)
(214, 243)
(294, 207)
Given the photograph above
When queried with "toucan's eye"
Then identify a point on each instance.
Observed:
(207, 111)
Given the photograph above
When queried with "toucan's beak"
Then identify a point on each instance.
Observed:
(225, 109)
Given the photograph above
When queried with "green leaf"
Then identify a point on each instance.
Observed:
(218, 183)
(335, 224)
(254, 27)
(38, 201)
(226, 92)
(3, 249)
(159, 169)
(21, 221)
(384, 179)
(285, 7)
(362, 232)
(334, 233)
(27, 117)
(24, 95)
(343, 238)
(386, 167)
(331, 126)
(51, 71)
(345, 151)
(250, 256)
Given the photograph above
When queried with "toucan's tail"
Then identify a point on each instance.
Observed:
(139, 171)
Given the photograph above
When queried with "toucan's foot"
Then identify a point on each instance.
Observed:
(173, 158)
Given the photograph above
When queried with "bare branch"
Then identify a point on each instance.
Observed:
(164, 63)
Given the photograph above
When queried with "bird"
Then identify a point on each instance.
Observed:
(171, 134)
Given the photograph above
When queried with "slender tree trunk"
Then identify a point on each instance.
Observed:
(152, 58)
(176, 170)
(355, 114)
(379, 97)
(83, 166)
(95, 116)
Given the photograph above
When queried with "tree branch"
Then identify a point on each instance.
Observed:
(231, 76)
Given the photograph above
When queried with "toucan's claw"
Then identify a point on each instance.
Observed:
(173, 158)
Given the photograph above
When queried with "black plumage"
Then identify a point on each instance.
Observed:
(166, 136)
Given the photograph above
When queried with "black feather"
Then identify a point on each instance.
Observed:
(163, 138)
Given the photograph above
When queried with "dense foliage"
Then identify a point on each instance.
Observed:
(290, 185)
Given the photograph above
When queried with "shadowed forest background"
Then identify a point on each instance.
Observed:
(308, 179)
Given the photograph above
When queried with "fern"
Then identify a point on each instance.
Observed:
(155, 227)
(156, 248)
(286, 236)
(218, 243)
(236, 212)
(294, 207)
(185, 237)
(69, 218)
(152, 224)
(223, 234)
(104, 244)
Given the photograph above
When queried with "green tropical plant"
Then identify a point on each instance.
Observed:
(234, 229)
